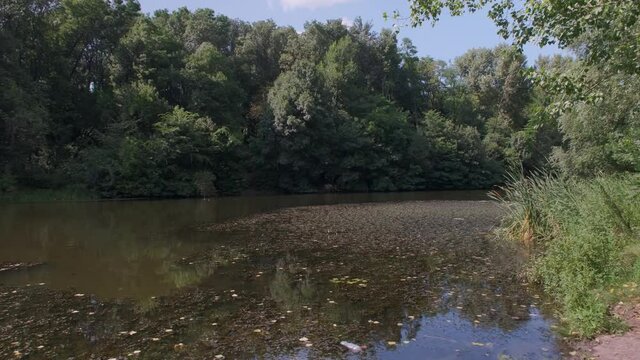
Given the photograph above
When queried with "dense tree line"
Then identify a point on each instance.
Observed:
(592, 101)
(98, 95)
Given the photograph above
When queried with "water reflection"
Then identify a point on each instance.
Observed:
(126, 249)
(289, 290)
(408, 280)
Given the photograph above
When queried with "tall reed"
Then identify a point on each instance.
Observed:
(584, 241)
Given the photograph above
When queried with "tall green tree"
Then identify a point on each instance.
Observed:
(188, 103)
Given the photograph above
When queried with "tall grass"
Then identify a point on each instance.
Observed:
(584, 237)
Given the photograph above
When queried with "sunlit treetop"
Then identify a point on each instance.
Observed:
(601, 32)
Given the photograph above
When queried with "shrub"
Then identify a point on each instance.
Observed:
(582, 234)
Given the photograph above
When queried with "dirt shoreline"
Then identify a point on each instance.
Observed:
(623, 346)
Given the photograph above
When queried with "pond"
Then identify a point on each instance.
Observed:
(401, 275)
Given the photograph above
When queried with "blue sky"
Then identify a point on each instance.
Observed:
(450, 38)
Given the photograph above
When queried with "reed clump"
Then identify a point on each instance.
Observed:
(584, 241)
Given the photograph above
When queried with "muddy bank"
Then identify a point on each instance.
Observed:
(402, 279)
(622, 346)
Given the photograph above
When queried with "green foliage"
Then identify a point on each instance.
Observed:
(459, 159)
(212, 90)
(603, 137)
(388, 163)
(603, 34)
(609, 29)
(205, 183)
(140, 107)
(583, 116)
(7, 183)
(180, 158)
(339, 69)
(192, 103)
(98, 98)
(581, 232)
(495, 79)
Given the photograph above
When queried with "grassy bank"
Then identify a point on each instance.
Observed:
(584, 241)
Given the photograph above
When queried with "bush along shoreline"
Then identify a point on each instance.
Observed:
(584, 240)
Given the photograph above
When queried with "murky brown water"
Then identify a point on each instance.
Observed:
(411, 276)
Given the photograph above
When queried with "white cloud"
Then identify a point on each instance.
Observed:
(347, 22)
(309, 4)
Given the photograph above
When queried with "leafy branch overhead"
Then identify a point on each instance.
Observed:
(602, 32)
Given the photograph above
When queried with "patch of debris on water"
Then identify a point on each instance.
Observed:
(296, 281)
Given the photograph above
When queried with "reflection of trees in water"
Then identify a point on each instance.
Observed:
(299, 281)
(182, 276)
(465, 289)
(438, 280)
(290, 289)
(186, 273)
(485, 290)
(115, 249)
